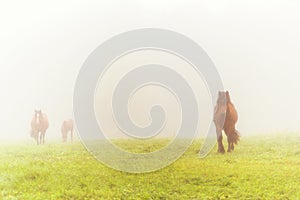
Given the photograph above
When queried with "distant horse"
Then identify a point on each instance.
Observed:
(67, 127)
(39, 126)
(225, 117)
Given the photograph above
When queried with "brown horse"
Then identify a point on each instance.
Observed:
(39, 126)
(225, 117)
(67, 127)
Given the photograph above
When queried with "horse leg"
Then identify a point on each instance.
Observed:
(64, 137)
(72, 135)
(231, 141)
(230, 145)
(37, 138)
(220, 143)
(43, 137)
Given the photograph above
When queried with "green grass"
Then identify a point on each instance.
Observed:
(260, 168)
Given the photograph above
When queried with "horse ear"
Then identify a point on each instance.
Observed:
(227, 92)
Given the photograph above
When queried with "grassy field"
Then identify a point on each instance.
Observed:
(261, 168)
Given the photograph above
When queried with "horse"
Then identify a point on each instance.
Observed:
(225, 118)
(67, 126)
(39, 126)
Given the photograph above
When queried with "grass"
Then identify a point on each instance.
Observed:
(260, 168)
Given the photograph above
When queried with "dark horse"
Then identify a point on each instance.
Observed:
(225, 117)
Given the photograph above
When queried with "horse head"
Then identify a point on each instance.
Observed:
(37, 112)
(38, 115)
(227, 97)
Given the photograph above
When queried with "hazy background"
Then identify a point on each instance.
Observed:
(255, 45)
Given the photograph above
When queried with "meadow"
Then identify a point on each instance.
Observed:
(262, 167)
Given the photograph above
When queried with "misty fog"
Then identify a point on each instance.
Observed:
(255, 47)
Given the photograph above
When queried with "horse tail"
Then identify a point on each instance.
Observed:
(235, 137)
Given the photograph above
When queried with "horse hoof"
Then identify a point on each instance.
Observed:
(221, 151)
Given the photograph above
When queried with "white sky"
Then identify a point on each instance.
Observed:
(255, 45)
